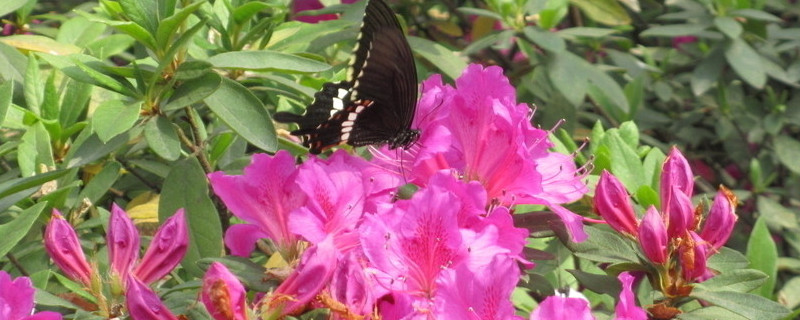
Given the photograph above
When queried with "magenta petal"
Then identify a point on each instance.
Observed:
(143, 303)
(572, 221)
(241, 239)
(16, 297)
(612, 202)
(721, 219)
(560, 308)
(223, 294)
(479, 294)
(653, 236)
(679, 212)
(311, 276)
(167, 249)
(694, 259)
(676, 173)
(626, 308)
(123, 242)
(63, 246)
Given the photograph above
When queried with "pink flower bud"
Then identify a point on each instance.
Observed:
(612, 202)
(144, 304)
(167, 249)
(676, 173)
(123, 242)
(223, 294)
(693, 258)
(63, 246)
(679, 213)
(626, 308)
(721, 219)
(653, 236)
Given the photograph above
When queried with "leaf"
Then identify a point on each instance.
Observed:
(186, 187)
(249, 273)
(266, 60)
(88, 147)
(625, 163)
(34, 150)
(586, 32)
(727, 259)
(10, 6)
(12, 64)
(114, 44)
(600, 283)
(788, 151)
(756, 15)
(674, 30)
(17, 228)
(192, 69)
(775, 215)
(604, 246)
(748, 305)
(566, 72)
(707, 72)
(608, 12)
(17, 189)
(729, 26)
(244, 114)
(101, 182)
(763, 255)
(75, 101)
(39, 44)
(246, 11)
(113, 117)
(746, 62)
(193, 91)
(447, 61)
(734, 280)
(546, 39)
(127, 27)
(143, 13)
(80, 31)
(170, 25)
(34, 86)
(162, 138)
(6, 93)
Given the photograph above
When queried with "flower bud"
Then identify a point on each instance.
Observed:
(144, 304)
(167, 249)
(63, 246)
(679, 213)
(123, 242)
(676, 173)
(653, 237)
(612, 202)
(223, 294)
(721, 219)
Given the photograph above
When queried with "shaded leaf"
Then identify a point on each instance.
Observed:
(746, 62)
(264, 59)
(449, 62)
(17, 228)
(763, 255)
(113, 117)
(243, 113)
(162, 138)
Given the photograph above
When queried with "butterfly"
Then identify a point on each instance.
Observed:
(376, 103)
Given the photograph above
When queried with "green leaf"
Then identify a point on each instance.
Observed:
(34, 150)
(756, 15)
(246, 11)
(729, 26)
(647, 196)
(75, 101)
(10, 6)
(600, 283)
(705, 75)
(50, 106)
(608, 12)
(244, 114)
(674, 30)
(192, 69)
(113, 117)
(34, 86)
(788, 151)
(37, 43)
(447, 61)
(170, 25)
(162, 138)
(604, 246)
(546, 39)
(652, 167)
(101, 182)
(127, 27)
(776, 215)
(17, 228)
(80, 31)
(142, 12)
(6, 93)
(748, 305)
(481, 13)
(266, 60)
(566, 72)
(114, 44)
(625, 163)
(23, 187)
(186, 187)
(746, 62)
(193, 91)
(763, 256)
(112, 83)
(734, 280)
(88, 147)
(727, 259)
(12, 64)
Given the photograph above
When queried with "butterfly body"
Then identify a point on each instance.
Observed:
(376, 104)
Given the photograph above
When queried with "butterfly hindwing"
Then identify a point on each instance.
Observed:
(376, 104)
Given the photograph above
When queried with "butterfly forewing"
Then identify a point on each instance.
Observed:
(376, 104)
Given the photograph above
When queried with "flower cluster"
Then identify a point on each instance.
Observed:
(450, 251)
(126, 276)
(674, 239)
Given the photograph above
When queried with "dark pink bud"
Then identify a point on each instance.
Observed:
(63, 246)
(679, 213)
(167, 249)
(653, 237)
(223, 294)
(693, 258)
(721, 219)
(123, 242)
(611, 201)
(676, 173)
(143, 303)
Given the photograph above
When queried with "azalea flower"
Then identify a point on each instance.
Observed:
(223, 295)
(479, 130)
(16, 300)
(562, 308)
(299, 6)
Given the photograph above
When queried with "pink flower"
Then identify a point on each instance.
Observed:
(653, 237)
(478, 130)
(482, 294)
(123, 242)
(626, 308)
(303, 5)
(721, 219)
(694, 253)
(223, 294)
(16, 300)
(612, 202)
(167, 249)
(561, 308)
(263, 196)
(143, 303)
(677, 185)
(63, 246)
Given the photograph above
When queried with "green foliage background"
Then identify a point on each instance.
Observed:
(134, 101)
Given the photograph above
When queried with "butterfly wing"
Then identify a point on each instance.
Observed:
(376, 103)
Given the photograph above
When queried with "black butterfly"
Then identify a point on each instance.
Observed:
(376, 104)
